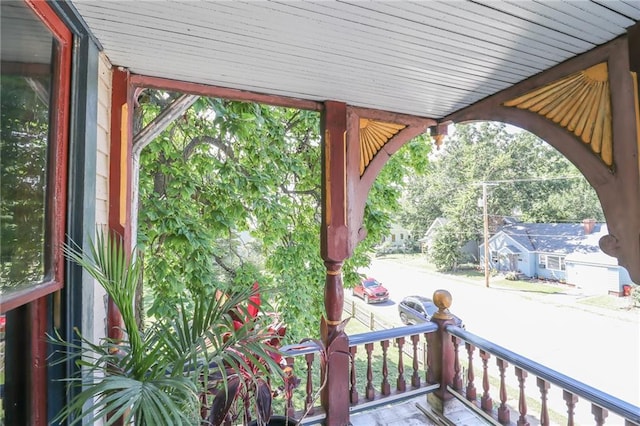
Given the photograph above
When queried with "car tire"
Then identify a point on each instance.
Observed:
(366, 299)
(403, 318)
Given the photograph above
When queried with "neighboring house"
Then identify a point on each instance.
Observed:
(471, 247)
(398, 237)
(567, 252)
(430, 236)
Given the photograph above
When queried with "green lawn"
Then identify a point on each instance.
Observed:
(473, 275)
(528, 286)
(609, 302)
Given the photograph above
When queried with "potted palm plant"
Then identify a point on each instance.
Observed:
(159, 374)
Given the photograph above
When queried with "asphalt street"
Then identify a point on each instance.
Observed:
(599, 347)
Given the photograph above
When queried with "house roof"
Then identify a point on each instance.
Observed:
(593, 258)
(427, 59)
(555, 237)
(511, 249)
(437, 223)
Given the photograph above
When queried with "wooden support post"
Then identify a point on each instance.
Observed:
(335, 394)
(120, 166)
(441, 352)
(335, 247)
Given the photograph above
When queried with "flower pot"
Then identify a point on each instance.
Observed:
(277, 421)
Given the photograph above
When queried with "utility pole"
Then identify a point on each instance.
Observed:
(485, 219)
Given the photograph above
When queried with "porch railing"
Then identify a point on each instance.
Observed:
(602, 404)
(385, 367)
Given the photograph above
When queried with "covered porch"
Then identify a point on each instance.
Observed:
(380, 74)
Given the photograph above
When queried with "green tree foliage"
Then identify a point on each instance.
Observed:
(445, 253)
(532, 185)
(226, 169)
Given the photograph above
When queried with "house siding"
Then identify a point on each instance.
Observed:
(97, 305)
(104, 125)
(597, 275)
(594, 279)
(500, 243)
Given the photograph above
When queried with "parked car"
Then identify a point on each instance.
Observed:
(417, 309)
(371, 290)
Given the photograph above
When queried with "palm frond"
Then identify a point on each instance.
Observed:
(157, 375)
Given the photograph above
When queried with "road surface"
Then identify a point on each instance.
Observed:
(596, 346)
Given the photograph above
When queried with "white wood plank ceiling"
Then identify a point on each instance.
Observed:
(425, 58)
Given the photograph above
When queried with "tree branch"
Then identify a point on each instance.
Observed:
(199, 140)
(228, 269)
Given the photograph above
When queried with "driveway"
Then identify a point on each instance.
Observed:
(596, 346)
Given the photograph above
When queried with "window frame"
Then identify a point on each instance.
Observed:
(56, 196)
(543, 262)
(30, 310)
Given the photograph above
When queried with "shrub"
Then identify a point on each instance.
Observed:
(635, 294)
(511, 276)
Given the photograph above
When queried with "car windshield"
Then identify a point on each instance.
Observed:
(430, 308)
(371, 283)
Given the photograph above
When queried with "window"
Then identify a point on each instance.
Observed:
(494, 256)
(34, 95)
(554, 263)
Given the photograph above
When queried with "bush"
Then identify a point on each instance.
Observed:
(511, 276)
(635, 294)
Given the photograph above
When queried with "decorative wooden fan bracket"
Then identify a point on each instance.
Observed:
(581, 104)
(373, 137)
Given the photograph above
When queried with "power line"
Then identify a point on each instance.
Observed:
(494, 182)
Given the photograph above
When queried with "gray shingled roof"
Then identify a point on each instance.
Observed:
(555, 237)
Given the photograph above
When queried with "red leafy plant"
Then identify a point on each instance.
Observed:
(237, 393)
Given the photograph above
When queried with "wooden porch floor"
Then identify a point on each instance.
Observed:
(413, 412)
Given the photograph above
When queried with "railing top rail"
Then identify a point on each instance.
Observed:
(602, 399)
(311, 346)
(392, 333)
(299, 349)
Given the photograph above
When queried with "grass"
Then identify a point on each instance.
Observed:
(474, 276)
(607, 301)
(527, 286)
(356, 327)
